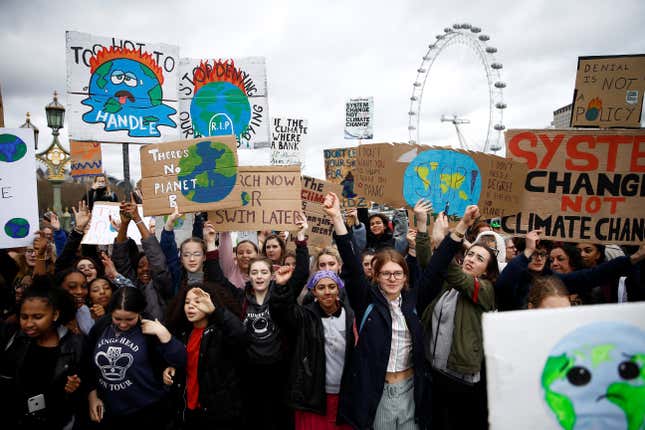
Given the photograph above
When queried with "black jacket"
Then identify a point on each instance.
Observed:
(220, 353)
(306, 379)
(368, 362)
(59, 405)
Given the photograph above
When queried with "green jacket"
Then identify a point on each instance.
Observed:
(467, 352)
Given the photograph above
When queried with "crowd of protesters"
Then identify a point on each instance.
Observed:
(380, 330)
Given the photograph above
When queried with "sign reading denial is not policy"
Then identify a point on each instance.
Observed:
(194, 175)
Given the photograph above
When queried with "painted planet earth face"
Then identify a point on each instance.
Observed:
(17, 228)
(211, 166)
(12, 148)
(594, 378)
(125, 94)
(220, 108)
(443, 177)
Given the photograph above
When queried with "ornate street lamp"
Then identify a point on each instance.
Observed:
(55, 157)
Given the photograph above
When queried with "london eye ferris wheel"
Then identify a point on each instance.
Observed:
(488, 140)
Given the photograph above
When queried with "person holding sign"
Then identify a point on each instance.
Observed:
(452, 299)
(386, 378)
(323, 337)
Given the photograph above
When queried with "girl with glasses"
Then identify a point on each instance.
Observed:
(385, 384)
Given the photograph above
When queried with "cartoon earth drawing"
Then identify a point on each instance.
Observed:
(594, 378)
(125, 93)
(443, 177)
(220, 105)
(12, 148)
(348, 186)
(17, 228)
(212, 165)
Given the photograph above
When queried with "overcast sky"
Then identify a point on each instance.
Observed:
(320, 53)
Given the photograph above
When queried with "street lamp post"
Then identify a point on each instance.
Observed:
(55, 157)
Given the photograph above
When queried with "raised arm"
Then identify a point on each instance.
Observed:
(82, 218)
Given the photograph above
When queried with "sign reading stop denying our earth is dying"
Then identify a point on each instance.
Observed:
(194, 175)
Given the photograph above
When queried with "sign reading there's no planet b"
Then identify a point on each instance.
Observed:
(224, 97)
(18, 194)
(570, 368)
(194, 175)
(401, 174)
(287, 138)
(121, 90)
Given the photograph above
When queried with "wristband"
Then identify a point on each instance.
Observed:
(139, 222)
(459, 235)
(77, 230)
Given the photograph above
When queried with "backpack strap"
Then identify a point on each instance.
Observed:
(365, 315)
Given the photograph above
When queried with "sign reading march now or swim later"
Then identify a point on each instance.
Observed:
(401, 174)
(271, 200)
(193, 175)
(87, 158)
(224, 97)
(582, 185)
(339, 167)
(609, 91)
(288, 136)
(313, 195)
(121, 90)
(569, 368)
(359, 118)
(18, 195)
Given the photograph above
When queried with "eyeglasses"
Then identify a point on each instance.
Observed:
(192, 254)
(387, 275)
(535, 255)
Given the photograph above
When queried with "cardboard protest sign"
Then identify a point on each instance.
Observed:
(359, 118)
(18, 204)
(287, 138)
(194, 175)
(87, 159)
(101, 231)
(582, 185)
(121, 90)
(401, 174)
(565, 368)
(223, 97)
(313, 195)
(339, 167)
(271, 199)
(609, 91)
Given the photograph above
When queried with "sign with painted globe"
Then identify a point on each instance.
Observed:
(18, 207)
(448, 179)
(595, 377)
(194, 175)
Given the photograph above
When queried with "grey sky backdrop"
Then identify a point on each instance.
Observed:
(320, 53)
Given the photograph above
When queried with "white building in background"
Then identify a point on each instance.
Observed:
(562, 117)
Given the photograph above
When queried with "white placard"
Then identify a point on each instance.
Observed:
(102, 232)
(288, 135)
(579, 364)
(359, 118)
(18, 192)
(183, 227)
(121, 90)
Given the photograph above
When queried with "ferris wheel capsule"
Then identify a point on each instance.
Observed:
(484, 38)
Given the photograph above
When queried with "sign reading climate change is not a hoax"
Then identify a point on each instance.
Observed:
(582, 185)
(121, 90)
(18, 202)
(224, 97)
